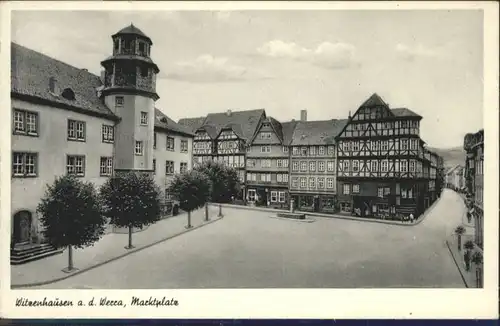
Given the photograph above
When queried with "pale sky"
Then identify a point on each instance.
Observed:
(327, 62)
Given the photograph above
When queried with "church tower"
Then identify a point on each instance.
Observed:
(130, 92)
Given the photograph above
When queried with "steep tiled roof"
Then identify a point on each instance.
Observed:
(404, 112)
(277, 127)
(192, 123)
(30, 76)
(288, 129)
(317, 132)
(164, 122)
(247, 120)
(31, 72)
(374, 100)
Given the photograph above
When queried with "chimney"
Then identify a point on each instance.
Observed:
(303, 115)
(228, 113)
(103, 76)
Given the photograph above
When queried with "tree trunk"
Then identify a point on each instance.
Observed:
(206, 212)
(459, 242)
(130, 246)
(70, 258)
(189, 220)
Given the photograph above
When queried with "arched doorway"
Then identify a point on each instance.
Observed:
(22, 227)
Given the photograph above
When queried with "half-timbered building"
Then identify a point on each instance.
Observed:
(313, 185)
(267, 164)
(381, 162)
(474, 179)
(224, 137)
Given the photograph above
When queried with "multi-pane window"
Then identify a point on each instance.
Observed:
(321, 183)
(355, 188)
(75, 164)
(295, 166)
(281, 196)
(250, 163)
(303, 166)
(279, 163)
(329, 183)
(303, 151)
(380, 192)
(346, 189)
(76, 130)
(265, 163)
(303, 182)
(295, 151)
(331, 150)
(108, 133)
(169, 167)
(403, 166)
(24, 164)
(385, 145)
(295, 182)
(184, 167)
(404, 144)
(119, 101)
(355, 146)
(265, 149)
(346, 165)
(321, 150)
(355, 166)
(106, 167)
(26, 122)
(321, 166)
(374, 166)
(412, 166)
(184, 146)
(274, 196)
(330, 166)
(265, 135)
(170, 143)
(312, 182)
(385, 166)
(139, 147)
(312, 151)
(285, 149)
(312, 166)
(265, 177)
(144, 118)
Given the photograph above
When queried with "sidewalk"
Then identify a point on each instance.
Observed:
(109, 248)
(469, 277)
(339, 216)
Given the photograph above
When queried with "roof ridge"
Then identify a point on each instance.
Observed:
(52, 58)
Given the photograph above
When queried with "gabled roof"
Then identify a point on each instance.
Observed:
(192, 123)
(288, 129)
(374, 100)
(404, 112)
(248, 121)
(278, 128)
(31, 72)
(164, 122)
(317, 132)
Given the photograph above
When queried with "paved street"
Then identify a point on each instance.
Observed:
(247, 249)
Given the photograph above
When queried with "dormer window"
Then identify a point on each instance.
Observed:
(68, 94)
(164, 120)
(53, 88)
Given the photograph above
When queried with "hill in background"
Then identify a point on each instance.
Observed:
(451, 156)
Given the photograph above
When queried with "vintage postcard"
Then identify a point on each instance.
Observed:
(307, 160)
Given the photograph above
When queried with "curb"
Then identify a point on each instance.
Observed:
(306, 220)
(457, 264)
(423, 216)
(27, 285)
